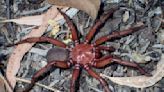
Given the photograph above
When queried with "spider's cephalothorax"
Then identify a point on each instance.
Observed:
(83, 55)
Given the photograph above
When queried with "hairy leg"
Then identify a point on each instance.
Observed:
(117, 34)
(98, 77)
(109, 59)
(71, 26)
(41, 39)
(111, 49)
(102, 19)
(50, 65)
(75, 76)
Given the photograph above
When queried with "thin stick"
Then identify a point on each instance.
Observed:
(38, 84)
(7, 85)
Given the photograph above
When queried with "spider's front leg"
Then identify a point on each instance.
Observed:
(110, 59)
(71, 26)
(102, 19)
(117, 34)
(50, 65)
(41, 39)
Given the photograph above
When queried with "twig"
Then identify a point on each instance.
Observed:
(38, 84)
(34, 11)
(10, 27)
(95, 89)
(9, 89)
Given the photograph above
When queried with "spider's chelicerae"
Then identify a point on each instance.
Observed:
(83, 55)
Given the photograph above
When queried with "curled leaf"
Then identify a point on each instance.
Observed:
(141, 81)
(20, 50)
(91, 7)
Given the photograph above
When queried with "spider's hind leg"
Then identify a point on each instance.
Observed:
(50, 65)
(102, 62)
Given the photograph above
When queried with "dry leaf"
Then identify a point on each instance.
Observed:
(4, 86)
(30, 20)
(141, 81)
(20, 50)
(91, 7)
(37, 19)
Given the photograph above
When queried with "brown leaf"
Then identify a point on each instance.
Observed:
(29, 20)
(4, 86)
(36, 20)
(91, 7)
(20, 50)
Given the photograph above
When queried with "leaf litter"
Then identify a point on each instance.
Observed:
(128, 81)
(15, 58)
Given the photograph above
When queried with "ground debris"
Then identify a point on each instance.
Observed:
(145, 47)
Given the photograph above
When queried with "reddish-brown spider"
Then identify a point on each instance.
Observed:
(83, 55)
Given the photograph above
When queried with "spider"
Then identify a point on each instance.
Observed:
(82, 55)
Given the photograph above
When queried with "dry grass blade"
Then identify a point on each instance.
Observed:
(89, 6)
(141, 81)
(19, 51)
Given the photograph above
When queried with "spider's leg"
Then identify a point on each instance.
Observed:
(75, 76)
(41, 39)
(50, 65)
(98, 77)
(98, 50)
(71, 26)
(99, 22)
(131, 64)
(110, 59)
(110, 49)
(117, 34)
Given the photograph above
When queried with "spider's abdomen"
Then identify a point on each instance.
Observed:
(82, 54)
(58, 54)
